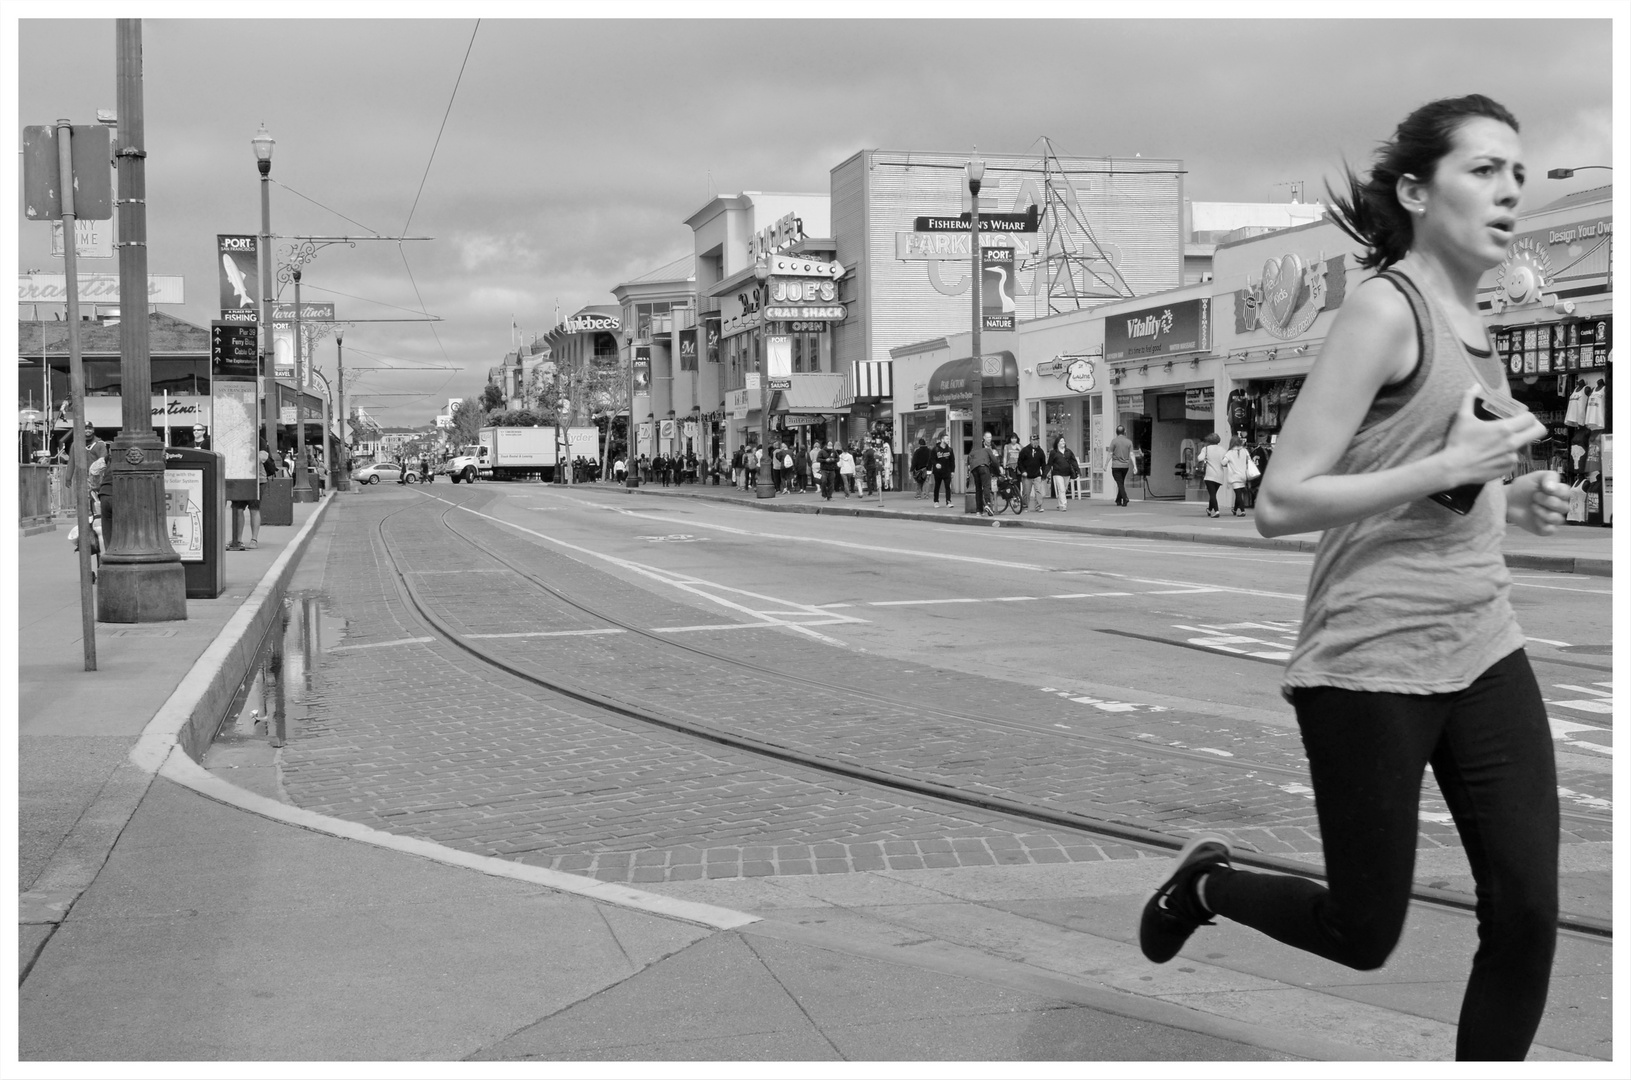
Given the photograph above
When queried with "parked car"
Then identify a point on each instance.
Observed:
(384, 471)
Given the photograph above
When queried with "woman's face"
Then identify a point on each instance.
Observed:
(1060, 444)
(1468, 211)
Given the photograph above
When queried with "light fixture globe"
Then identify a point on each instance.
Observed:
(263, 143)
(976, 172)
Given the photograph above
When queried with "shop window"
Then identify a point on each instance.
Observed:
(1169, 407)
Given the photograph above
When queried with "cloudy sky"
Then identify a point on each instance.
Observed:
(573, 150)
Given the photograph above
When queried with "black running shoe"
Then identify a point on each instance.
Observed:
(1174, 912)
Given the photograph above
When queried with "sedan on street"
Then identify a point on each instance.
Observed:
(382, 472)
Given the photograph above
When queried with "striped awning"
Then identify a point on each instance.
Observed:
(871, 380)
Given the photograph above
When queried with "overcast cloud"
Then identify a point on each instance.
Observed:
(574, 149)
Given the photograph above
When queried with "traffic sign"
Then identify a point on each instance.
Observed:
(92, 181)
(1027, 222)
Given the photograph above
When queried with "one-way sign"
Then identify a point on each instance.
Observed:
(989, 222)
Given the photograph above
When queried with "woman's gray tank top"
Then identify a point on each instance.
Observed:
(1413, 600)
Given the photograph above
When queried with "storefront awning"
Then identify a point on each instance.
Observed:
(812, 394)
(871, 380)
(952, 383)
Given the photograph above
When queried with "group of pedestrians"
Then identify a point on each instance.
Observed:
(1029, 466)
(1233, 467)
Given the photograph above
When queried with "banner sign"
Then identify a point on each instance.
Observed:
(686, 342)
(711, 335)
(642, 369)
(997, 305)
(184, 512)
(238, 259)
(233, 351)
(95, 289)
(1172, 328)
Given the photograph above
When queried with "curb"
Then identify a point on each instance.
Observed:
(1562, 564)
(86, 848)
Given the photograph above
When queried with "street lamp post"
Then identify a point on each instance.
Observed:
(263, 143)
(976, 174)
(142, 579)
(342, 472)
(1564, 174)
(302, 488)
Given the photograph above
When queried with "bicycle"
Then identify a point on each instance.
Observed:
(1010, 493)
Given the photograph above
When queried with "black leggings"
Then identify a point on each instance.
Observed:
(1212, 494)
(1491, 752)
(942, 480)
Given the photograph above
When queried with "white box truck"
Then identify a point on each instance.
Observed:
(516, 453)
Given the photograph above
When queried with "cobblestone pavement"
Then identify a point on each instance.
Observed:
(417, 737)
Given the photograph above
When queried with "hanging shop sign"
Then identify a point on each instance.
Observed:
(686, 342)
(786, 232)
(1172, 328)
(740, 313)
(179, 410)
(238, 259)
(1290, 294)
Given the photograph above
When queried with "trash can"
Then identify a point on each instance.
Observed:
(277, 500)
(195, 499)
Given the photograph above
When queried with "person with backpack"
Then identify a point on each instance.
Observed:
(922, 463)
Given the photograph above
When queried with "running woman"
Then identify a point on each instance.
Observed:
(1409, 653)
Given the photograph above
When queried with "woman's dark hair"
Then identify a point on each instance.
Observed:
(1370, 212)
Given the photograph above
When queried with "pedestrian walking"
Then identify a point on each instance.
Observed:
(922, 463)
(981, 463)
(1409, 653)
(1032, 463)
(1061, 470)
(1121, 459)
(1210, 462)
(846, 470)
(829, 470)
(943, 463)
(1238, 470)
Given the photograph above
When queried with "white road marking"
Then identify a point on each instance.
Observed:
(1177, 592)
(1085, 595)
(550, 633)
(1549, 641)
(382, 644)
(905, 603)
(1561, 588)
(1591, 705)
(1584, 689)
(1588, 801)
(686, 582)
(1209, 750)
(1562, 729)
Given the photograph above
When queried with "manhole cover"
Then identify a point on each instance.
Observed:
(1589, 650)
(142, 631)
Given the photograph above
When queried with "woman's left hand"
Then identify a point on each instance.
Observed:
(1537, 501)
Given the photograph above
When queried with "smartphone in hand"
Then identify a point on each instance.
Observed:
(1485, 407)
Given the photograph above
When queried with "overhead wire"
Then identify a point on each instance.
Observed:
(415, 207)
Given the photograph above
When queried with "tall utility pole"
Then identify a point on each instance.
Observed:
(976, 173)
(302, 489)
(142, 579)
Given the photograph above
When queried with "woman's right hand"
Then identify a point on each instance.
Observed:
(1478, 451)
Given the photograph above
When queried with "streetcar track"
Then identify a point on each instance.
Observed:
(1121, 831)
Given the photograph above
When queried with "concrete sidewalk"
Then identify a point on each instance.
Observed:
(168, 915)
(1581, 549)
